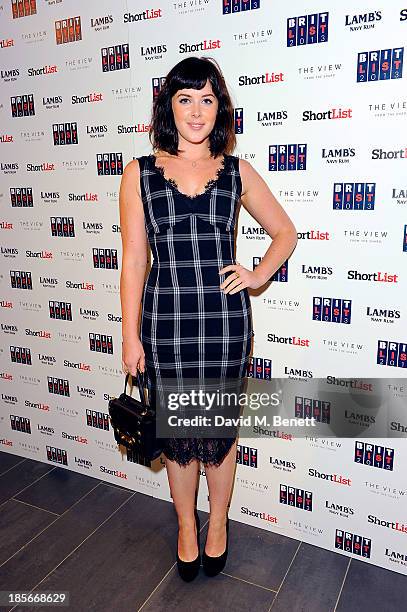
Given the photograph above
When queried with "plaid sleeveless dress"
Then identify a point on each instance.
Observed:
(189, 327)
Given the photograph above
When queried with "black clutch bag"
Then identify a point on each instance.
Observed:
(133, 422)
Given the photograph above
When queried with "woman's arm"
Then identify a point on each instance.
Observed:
(134, 258)
(262, 205)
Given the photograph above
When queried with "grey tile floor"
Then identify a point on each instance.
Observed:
(114, 549)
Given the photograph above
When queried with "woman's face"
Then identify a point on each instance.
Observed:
(195, 112)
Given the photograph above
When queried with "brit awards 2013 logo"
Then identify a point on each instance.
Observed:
(332, 310)
(299, 498)
(381, 65)
(116, 57)
(231, 6)
(259, 367)
(287, 157)
(354, 196)
(374, 455)
(392, 353)
(307, 29)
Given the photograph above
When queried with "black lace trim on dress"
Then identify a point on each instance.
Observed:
(209, 451)
(208, 187)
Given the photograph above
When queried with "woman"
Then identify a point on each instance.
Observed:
(195, 307)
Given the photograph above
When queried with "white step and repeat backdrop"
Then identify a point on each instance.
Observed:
(320, 108)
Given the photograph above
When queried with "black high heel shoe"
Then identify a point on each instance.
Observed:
(214, 565)
(188, 570)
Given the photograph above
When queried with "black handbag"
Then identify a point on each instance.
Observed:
(134, 422)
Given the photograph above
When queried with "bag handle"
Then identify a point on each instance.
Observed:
(140, 379)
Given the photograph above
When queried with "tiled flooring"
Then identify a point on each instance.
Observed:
(114, 550)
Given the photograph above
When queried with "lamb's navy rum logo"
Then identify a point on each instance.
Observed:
(381, 65)
(307, 407)
(299, 498)
(392, 353)
(22, 106)
(259, 367)
(287, 157)
(239, 6)
(307, 29)
(354, 196)
(116, 57)
(352, 543)
(109, 163)
(374, 455)
(21, 197)
(239, 120)
(332, 310)
(246, 455)
(279, 276)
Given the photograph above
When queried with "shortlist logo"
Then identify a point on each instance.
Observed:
(377, 277)
(331, 114)
(391, 154)
(292, 340)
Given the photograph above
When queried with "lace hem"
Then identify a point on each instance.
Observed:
(208, 187)
(210, 451)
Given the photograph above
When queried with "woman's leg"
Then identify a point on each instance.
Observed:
(183, 481)
(220, 481)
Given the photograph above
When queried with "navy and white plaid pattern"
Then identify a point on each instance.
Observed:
(189, 327)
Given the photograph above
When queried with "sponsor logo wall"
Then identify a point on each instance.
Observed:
(320, 103)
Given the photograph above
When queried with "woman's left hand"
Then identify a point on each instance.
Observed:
(240, 279)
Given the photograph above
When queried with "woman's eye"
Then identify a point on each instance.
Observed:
(187, 99)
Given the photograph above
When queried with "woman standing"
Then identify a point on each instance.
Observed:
(195, 309)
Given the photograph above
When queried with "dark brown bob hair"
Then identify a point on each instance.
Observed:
(192, 73)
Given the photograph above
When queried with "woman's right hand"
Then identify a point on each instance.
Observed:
(133, 357)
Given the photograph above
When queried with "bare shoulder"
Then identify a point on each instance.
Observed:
(131, 174)
(248, 175)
